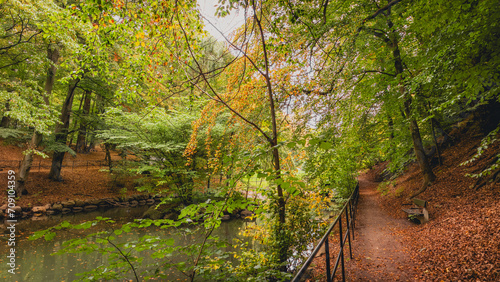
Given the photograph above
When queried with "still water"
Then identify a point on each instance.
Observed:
(34, 262)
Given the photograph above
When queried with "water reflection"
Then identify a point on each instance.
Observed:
(34, 262)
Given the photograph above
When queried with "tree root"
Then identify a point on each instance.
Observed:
(427, 183)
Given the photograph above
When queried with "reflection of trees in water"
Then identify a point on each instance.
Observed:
(37, 264)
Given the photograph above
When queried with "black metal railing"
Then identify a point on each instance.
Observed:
(349, 211)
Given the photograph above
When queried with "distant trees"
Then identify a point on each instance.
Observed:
(28, 69)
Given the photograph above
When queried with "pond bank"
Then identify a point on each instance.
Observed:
(78, 206)
(168, 211)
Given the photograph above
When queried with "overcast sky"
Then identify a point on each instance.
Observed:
(226, 24)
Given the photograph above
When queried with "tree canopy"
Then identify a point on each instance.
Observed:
(301, 97)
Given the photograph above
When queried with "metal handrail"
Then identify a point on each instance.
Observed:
(349, 209)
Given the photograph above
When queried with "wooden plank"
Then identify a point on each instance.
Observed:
(419, 202)
(413, 211)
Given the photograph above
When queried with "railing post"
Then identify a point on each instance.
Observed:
(353, 217)
(355, 199)
(348, 231)
(327, 261)
(341, 248)
(351, 209)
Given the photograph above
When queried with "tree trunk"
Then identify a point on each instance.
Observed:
(6, 119)
(433, 129)
(61, 131)
(81, 144)
(422, 159)
(418, 147)
(280, 232)
(108, 157)
(26, 163)
(97, 107)
(391, 127)
(36, 139)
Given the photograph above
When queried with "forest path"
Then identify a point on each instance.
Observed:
(378, 251)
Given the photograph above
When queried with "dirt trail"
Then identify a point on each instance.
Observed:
(379, 254)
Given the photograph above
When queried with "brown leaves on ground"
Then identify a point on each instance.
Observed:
(80, 182)
(462, 240)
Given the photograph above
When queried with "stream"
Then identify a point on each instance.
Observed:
(34, 262)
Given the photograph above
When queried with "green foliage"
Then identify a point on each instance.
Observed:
(52, 146)
(158, 140)
(385, 187)
(15, 134)
(485, 143)
(331, 167)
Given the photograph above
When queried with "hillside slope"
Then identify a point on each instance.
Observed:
(462, 239)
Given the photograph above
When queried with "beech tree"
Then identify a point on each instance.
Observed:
(26, 163)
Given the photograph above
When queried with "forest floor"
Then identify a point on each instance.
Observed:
(461, 242)
(83, 177)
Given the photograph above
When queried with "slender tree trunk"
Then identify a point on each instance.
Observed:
(75, 122)
(26, 164)
(435, 141)
(418, 147)
(6, 119)
(280, 228)
(61, 131)
(97, 107)
(81, 144)
(108, 157)
(391, 127)
(36, 139)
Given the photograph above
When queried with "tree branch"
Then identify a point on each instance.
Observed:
(219, 99)
(379, 11)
